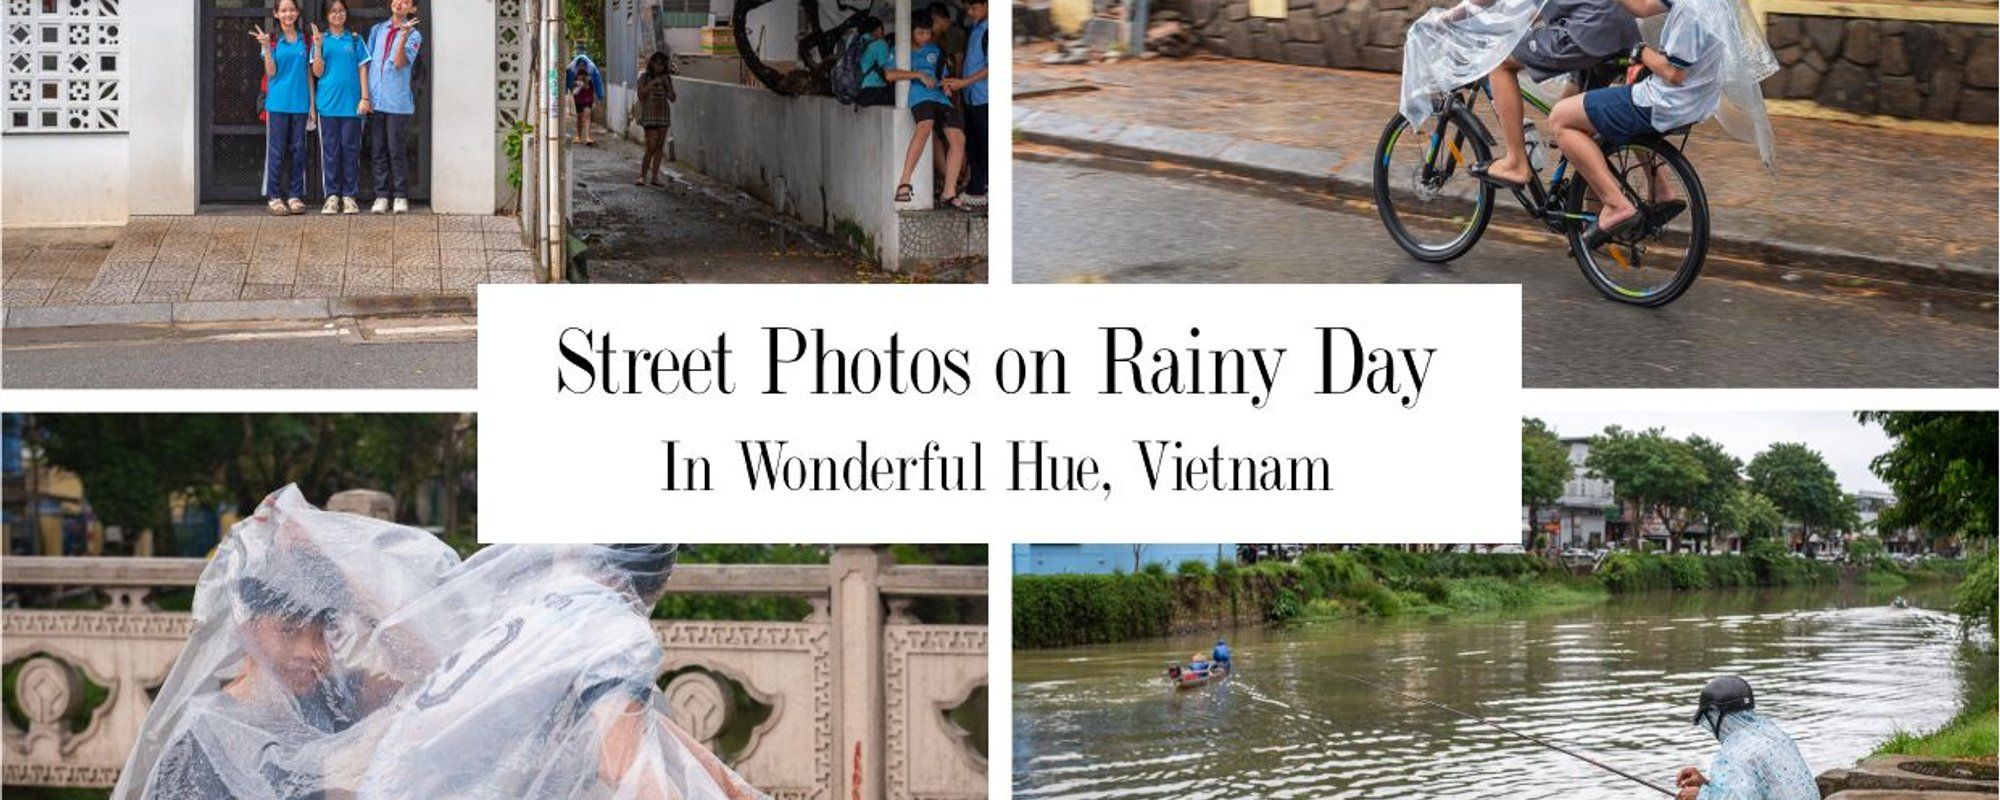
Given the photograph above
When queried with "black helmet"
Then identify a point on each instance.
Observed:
(646, 565)
(1720, 698)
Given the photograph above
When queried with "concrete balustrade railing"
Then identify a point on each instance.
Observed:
(858, 692)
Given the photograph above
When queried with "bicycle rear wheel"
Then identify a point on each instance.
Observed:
(1654, 262)
(1433, 208)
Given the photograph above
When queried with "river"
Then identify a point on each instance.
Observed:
(1837, 668)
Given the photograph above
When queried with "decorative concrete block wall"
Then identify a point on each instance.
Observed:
(1920, 70)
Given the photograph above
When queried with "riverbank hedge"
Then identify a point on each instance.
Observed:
(1061, 610)
(1974, 733)
(1765, 565)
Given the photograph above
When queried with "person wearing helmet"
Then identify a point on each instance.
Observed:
(1221, 654)
(1758, 761)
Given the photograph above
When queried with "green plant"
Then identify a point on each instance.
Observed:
(1193, 567)
(517, 137)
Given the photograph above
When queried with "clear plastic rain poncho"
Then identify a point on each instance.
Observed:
(1757, 762)
(1450, 47)
(526, 671)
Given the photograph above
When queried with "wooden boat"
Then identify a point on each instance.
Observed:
(1189, 679)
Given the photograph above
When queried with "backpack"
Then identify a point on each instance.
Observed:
(847, 74)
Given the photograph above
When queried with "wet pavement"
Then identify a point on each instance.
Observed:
(693, 230)
(1104, 222)
(1919, 204)
(246, 254)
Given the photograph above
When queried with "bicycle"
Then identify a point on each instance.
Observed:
(1649, 264)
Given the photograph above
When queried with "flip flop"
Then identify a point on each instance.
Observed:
(1658, 215)
(1479, 171)
(1595, 237)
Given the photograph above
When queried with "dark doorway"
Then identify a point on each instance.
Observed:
(232, 138)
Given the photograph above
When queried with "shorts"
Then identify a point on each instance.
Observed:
(1614, 115)
(876, 96)
(583, 106)
(944, 114)
(1549, 51)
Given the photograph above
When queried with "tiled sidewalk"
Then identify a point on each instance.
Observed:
(209, 257)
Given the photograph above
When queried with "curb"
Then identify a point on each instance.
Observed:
(198, 311)
(1331, 170)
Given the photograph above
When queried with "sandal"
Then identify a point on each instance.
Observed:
(904, 192)
(658, 182)
(1595, 236)
(277, 207)
(1664, 212)
(1480, 171)
(955, 202)
(640, 182)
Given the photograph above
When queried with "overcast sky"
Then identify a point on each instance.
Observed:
(1846, 445)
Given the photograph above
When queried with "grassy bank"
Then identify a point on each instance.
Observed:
(1062, 610)
(1972, 734)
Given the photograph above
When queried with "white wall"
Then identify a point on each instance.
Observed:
(63, 179)
(463, 147)
(160, 99)
(809, 157)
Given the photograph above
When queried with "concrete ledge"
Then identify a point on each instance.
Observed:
(1744, 235)
(103, 314)
(73, 316)
(232, 310)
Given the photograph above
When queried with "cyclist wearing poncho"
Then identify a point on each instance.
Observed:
(1704, 48)
(1758, 761)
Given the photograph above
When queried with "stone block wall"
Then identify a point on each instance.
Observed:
(1919, 70)
(1350, 34)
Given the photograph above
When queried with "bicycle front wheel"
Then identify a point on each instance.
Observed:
(1433, 208)
(1655, 261)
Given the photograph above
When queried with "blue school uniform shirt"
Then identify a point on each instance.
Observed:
(876, 58)
(927, 60)
(389, 87)
(340, 88)
(975, 60)
(289, 92)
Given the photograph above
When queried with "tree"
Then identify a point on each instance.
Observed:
(1545, 467)
(131, 464)
(1942, 468)
(1652, 472)
(1751, 516)
(1719, 485)
(1796, 478)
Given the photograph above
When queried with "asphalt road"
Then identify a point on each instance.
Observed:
(380, 354)
(1079, 221)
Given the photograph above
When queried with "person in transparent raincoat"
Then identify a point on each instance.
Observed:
(1710, 61)
(273, 671)
(545, 688)
(1758, 761)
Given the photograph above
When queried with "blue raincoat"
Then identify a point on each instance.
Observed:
(1758, 761)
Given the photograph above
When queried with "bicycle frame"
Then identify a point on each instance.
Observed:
(1536, 199)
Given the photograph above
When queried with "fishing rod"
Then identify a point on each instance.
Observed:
(1504, 729)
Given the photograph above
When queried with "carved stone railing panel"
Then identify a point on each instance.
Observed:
(929, 670)
(902, 675)
(127, 653)
(784, 665)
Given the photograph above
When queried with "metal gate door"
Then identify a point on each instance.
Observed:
(232, 74)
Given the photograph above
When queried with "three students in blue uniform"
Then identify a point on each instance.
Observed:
(343, 82)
